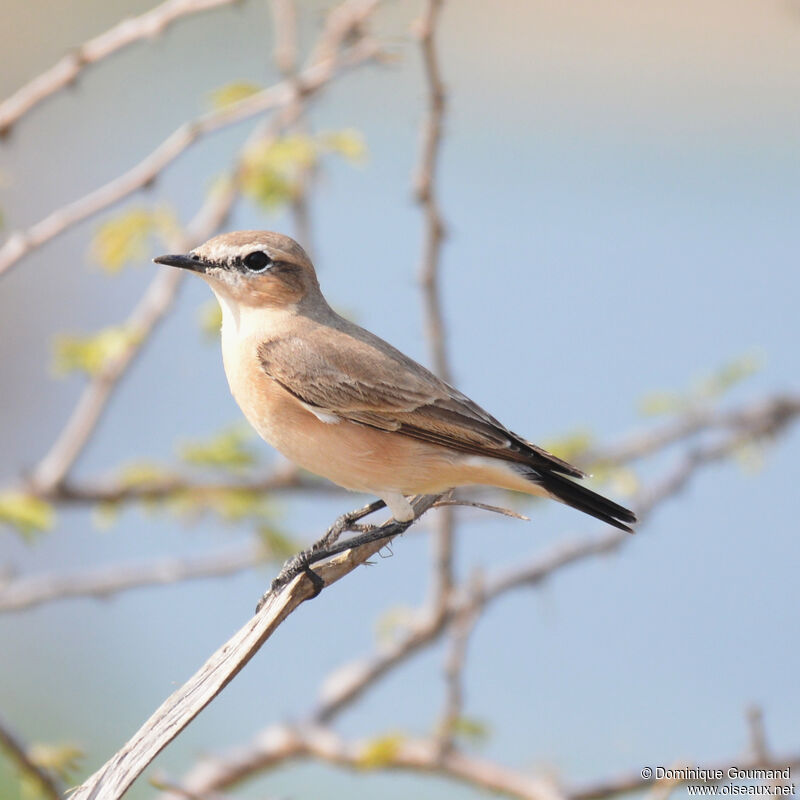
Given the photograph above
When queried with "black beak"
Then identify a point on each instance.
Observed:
(184, 262)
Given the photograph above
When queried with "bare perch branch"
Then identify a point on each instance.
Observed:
(21, 243)
(66, 71)
(18, 753)
(115, 777)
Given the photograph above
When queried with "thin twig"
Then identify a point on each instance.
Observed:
(18, 753)
(281, 743)
(425, 191)
(103, 582)
(66, 71)
(460, 631)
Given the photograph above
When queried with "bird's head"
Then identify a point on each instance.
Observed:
(252, 268)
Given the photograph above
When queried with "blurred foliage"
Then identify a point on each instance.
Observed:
(571, 446)
(470, 730)
(381, 751)
(230, 449)
(128, 238)
(211, 319)
(64, 760)
(231, 504)
(392, 622)
(706, 389)
(232, 93)
(91, 353)
(272, 171)
(27, 514)
(277, 544)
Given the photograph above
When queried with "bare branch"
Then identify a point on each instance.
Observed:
(103, 582)
(773, 409)
(424, 185)
(280, 743)
(115, 777)
(66, 71)
(460, 630)
(310, 80)
(18, 753)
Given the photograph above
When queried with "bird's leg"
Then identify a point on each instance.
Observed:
(301, 561)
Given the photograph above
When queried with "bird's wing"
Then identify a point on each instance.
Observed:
(363, 379)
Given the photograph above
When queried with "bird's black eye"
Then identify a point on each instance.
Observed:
(257, 261)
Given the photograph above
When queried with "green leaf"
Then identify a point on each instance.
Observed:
(380, 752)
(277, 544)
(143, 473)
(706, 389)
(348, 143)
(232, 93)
(272, 171)
(728, 376)
(27, 514)
(230, 503)
(470, 729)
(393, 621)
(657, 403)
(127, 238)
(571, 446)
(229, 450)
(91, 353)
(63, 759)
(211, 319)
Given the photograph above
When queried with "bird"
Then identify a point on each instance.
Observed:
(342, 403)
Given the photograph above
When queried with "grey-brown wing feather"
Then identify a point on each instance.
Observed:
(361, 378)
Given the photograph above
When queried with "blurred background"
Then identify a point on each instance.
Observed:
(620, 182)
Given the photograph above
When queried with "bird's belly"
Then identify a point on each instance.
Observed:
(351, 455)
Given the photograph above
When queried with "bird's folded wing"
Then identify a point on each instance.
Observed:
(353, 379)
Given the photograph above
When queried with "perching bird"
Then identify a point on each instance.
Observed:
(342, 403)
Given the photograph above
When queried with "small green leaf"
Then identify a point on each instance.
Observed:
(728, 376)
(348, 143)
(470, 729)
(232, 93)
(393, 621)
(278, 545)
(211, 319)
(28, 514)
(231, 504)
(272, 171)
(127, 238)
(91, 353)
(571, 446)
(380, 752)
(229, 450)
(657, 403)
(143, 473)
(63, 759)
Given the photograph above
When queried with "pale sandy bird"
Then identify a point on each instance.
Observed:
(344, 404)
